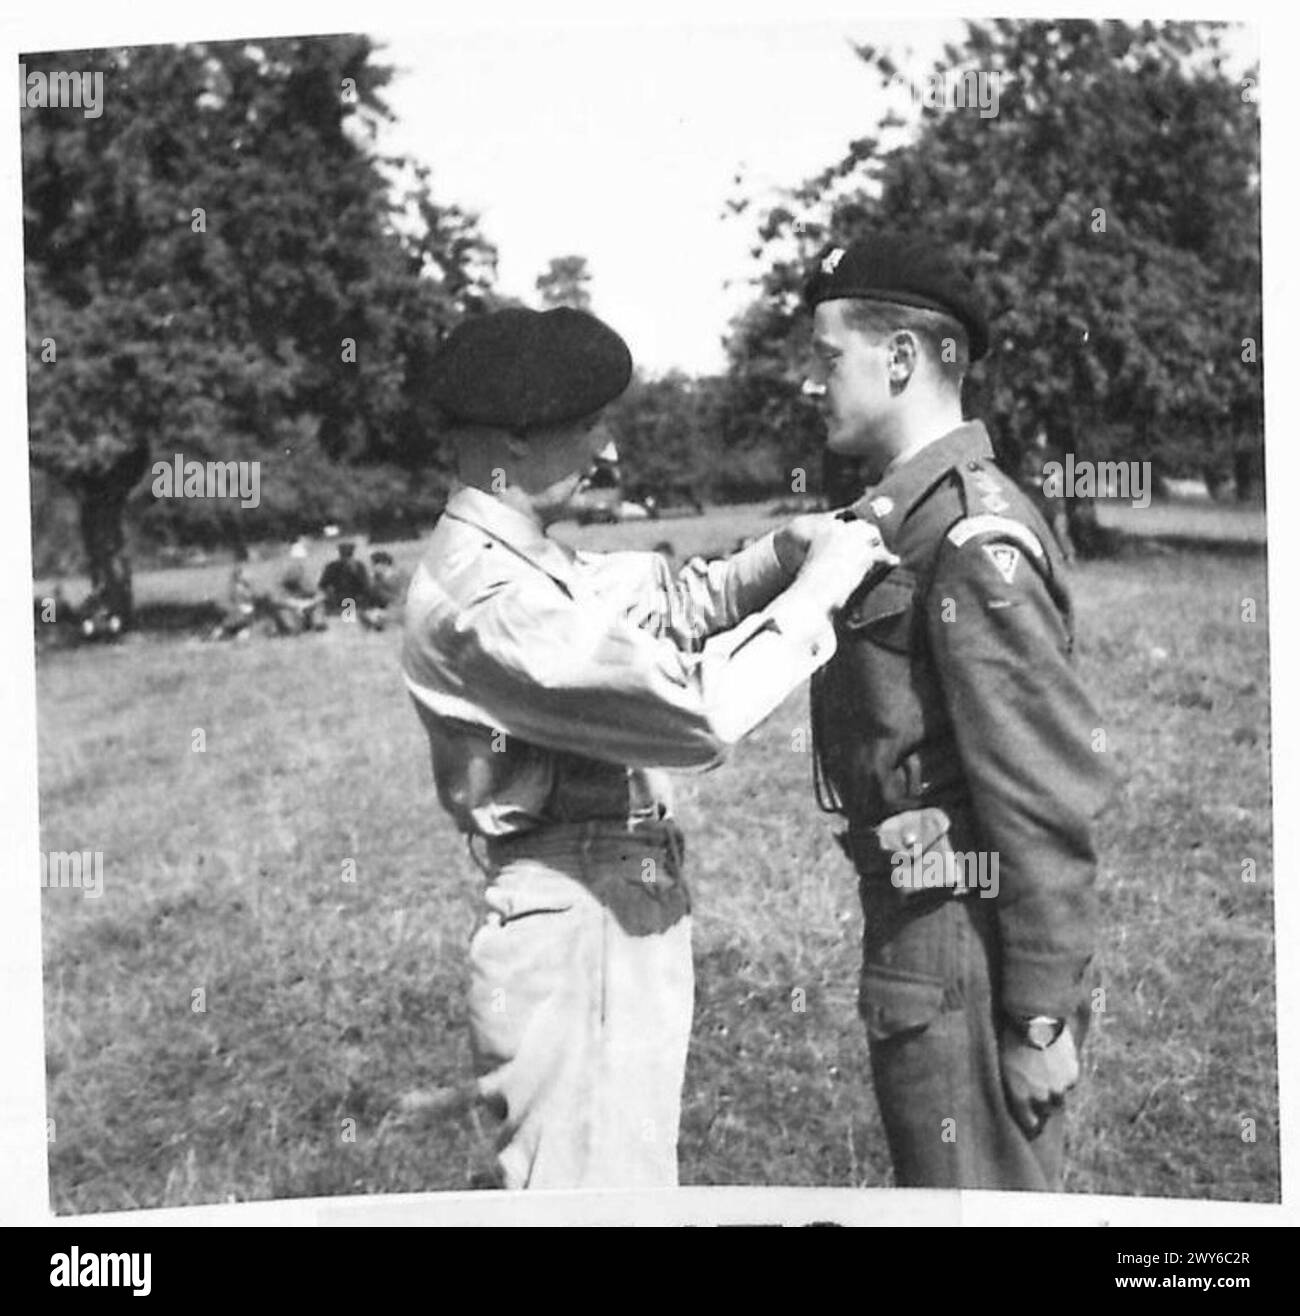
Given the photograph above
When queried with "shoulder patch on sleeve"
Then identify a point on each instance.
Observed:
(1003, 527)
(1005, 558)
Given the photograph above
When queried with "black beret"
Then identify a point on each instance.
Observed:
(895, 269)
(519, 369)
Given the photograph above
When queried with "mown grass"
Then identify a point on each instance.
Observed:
(324, 999)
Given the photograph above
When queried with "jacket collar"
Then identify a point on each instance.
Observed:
(519, 533)
(905, 484)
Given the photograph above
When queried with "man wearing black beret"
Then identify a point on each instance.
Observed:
(953, 735)
(554, 685)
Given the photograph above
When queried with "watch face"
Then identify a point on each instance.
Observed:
(1043, 1032)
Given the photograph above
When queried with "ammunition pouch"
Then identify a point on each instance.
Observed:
(911, 852)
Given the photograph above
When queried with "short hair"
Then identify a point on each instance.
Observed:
(943, 336)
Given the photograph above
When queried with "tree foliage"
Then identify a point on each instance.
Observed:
(200, 257)
(564, 283)
(1109, 213)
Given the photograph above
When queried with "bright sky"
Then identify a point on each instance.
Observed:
(622, 144)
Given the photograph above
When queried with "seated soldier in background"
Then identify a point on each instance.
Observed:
(294, 579)
(345, 579)
(385, 580)
(297, 607)
(386, 585)
(241, 607)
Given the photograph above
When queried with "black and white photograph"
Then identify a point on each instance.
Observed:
(632, 606)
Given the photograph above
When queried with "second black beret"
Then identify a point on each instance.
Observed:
(895, 269)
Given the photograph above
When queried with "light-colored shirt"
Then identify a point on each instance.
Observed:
(553, 682)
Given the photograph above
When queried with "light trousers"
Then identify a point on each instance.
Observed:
(581, 996)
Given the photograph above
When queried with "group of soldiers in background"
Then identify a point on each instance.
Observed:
(346, 589)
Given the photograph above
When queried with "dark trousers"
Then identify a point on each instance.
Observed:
(929, 965)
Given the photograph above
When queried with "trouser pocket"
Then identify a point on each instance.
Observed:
(893, 1006)
(912, 960)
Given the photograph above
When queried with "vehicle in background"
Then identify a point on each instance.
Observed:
(599, 496)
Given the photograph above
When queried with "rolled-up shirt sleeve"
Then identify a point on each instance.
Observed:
(717, 595)
(700, 600)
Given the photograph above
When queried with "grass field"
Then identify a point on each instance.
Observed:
(323, 999)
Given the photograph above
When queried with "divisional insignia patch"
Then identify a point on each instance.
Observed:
(1005, 559)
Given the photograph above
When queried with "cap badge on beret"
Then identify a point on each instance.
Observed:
(832, 259)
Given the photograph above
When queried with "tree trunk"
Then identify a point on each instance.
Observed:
(1088, 538)
(103, 536)
(1248, 474)
(842, 479)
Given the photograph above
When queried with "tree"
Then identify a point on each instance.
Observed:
(1109, 212)
(564, 283)
(665, 430)
(219, 266)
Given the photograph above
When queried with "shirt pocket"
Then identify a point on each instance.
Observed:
(885, 614)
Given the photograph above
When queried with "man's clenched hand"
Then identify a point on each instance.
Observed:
(1036, 1081)
(793, 539)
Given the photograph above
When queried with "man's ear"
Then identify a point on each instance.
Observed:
(904, 356)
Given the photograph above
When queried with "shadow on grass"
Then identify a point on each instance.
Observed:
(169, 620)
(178, 617)
(1130, 547)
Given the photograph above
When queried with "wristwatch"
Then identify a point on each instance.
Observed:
(1038, 1031)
